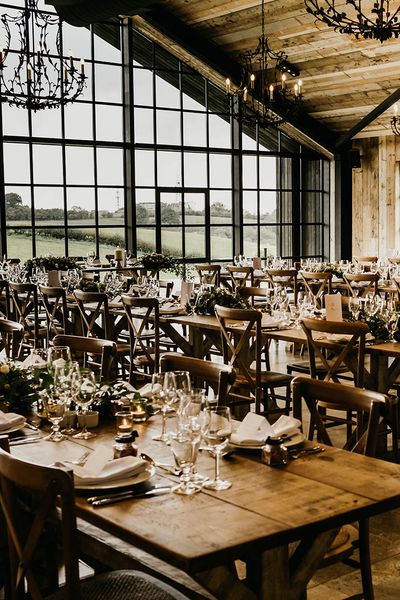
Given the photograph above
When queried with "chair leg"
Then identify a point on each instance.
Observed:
(365, 560)
(394, 425)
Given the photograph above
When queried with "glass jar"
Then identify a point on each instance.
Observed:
(274, 453)
(124, 445)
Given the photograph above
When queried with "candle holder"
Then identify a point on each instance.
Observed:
(124, 422)
(139, 410)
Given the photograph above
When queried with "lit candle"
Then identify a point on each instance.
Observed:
(300, 84)
(296, 89)
(118, 254)
(82, 66)
(283, 81)
(271, 92)
(245, 94)
(228, 85)
(252, 80)
(29, 72)
(124, 422)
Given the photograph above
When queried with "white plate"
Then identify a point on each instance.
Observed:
(12, 429)
(295, 440)
(120, 483)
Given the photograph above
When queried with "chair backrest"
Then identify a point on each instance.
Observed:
(284, 277)
(26, 308)
(255, 295)
(240, 342)
(93, 308)
(365, 259)
(218, 377)
(395, 260)
(84, 348)
(358, 284)
(209, 274)
(55, 304)
(47, 487)
(364, 402)
(345, 340)
(168, 286)
(11, 335)
(317, 284)
(240, 276)
(5, 298)
(143, 314)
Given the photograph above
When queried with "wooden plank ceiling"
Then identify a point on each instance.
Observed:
(344, 78)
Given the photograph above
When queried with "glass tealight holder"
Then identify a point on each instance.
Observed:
(138, 408)
(124, 421)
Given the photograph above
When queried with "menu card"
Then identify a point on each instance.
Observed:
(333, 306)
(257, 262)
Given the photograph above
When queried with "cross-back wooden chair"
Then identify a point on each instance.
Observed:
(30, 496)
(256, 296)
(359, 284)
(26, 311)
(11, 336)
(218, 377)
(209, 274)
(242, 347)
(317, 284)
(365, 259)
(85, 350)
(369, 407)
(168, 286)
(144, 333)
(284, 277)
(240, 276)
(5, 300)
(55, 304)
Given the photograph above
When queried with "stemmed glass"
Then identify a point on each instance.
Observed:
(83, 392)
(63, 386)
(391, 324)
(58, 355)
(195, 417)
(217, 437)
(185, 446)
(163, 391)
(355, 306)
(54, 406)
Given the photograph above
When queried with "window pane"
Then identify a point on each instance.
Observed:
(193, 91)
(145, 207)
(15, 121)
(16, 163)
(144, 167)
(49, 206)
(19, 244)
(105, 50)
(78, 39)
(171, 241)
(220, 170)
(169, 169)
(111, 207)
(108, 83)
(268, 241)
(18, 205)
(249, 171)
(78, 121)
(168, 127)
(268, 204)
(50, 241)
(221, 206)
(195, 170)
(146, 240)
(195, 208)
(80, 206)
(80, 166)
(194, 129)
(171, 208)
(219, 132)
(250, 244)
(167, 92)
(109, 123)
(143, 87)
(47, 164)
(109, 239)
(81, 241)
(46, 123)
(311, 207)
(286, 215)
(221, 243)
(195, 242)
(268, 172)
(110, 166)
(250, 210)
(143, 124)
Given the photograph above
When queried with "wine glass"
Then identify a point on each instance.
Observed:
(391, 325)
(163, 390)
(185, 446)
(90, 256)
(62, 384)
(217, 437)
(354, 306)
(196, 417)
(83, 392)
(54, 406)
(58, 355)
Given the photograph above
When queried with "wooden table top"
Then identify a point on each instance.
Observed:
(264, 508)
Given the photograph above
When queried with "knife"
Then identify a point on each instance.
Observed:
(127, 496)
(30, 440)
(157, 486)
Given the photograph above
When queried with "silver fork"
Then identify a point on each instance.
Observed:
(79, 461)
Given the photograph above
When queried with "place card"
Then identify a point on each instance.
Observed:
(186, 290)
(257, 262)
(333, 306)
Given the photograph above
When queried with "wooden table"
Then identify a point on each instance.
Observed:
(255, 520)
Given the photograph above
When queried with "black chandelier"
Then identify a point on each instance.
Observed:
(395, 122)
(263, 97)
(31, 75)
(380, 23)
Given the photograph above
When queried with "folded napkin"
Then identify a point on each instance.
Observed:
(33, 360)
(268, 321)
(98, 471)
(10, 420)
(147, 391)
(254, 429)
(169, 308)
(333, 337)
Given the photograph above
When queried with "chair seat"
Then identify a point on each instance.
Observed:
(342, 546)
(30, 334)
(303, 366)
(123, 585)
(123, 348)
(268, 378)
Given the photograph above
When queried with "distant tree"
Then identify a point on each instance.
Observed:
(142, 216)
(218, 209)
(169, 216)
(13, 200)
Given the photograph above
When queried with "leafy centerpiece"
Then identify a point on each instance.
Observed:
(16, 387)
(208, 298)
(327, 268)
(156, 262)
(50, 263)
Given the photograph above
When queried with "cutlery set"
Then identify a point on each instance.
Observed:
(128, 495)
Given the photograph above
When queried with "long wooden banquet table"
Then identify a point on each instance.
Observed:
(264, 511)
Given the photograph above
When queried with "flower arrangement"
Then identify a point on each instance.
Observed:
(51, 263)
(327, 268)
(207, 299)
(15, 387)
(156, 262)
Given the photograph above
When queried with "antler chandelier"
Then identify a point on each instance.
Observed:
(380, 23)
(260, 98)
(31, 75)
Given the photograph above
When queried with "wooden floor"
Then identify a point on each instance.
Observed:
(340, 581)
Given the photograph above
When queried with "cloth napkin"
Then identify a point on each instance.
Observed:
(99, 469)
(33, 360)
(169, 308)
(9, 420)
(147, 391)
(254, 429)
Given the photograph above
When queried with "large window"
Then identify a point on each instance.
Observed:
(151, 158)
